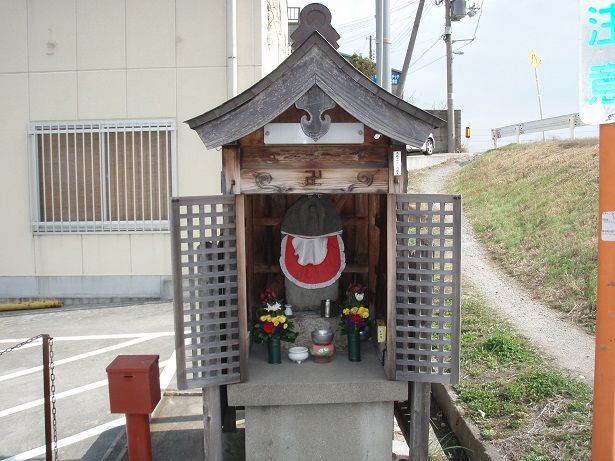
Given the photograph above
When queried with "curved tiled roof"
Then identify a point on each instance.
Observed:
(314, 62)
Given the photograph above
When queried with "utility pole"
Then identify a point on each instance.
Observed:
(410, 50)
(386, 47)
(450, 118)
(371, 54)
(379, 42)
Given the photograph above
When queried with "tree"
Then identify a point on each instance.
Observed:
(365, 65)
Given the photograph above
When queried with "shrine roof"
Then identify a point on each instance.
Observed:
(315, 62)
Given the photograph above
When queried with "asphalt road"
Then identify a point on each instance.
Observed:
(85, 342)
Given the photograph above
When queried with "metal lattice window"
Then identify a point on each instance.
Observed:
(101, 176)
(428, 288)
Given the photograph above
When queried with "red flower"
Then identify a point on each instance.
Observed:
(268, 327)
(356, 288)
(357, 319)
(267, 295)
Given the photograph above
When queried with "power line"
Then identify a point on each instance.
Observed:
(427, 50)
(480, 15)
(462, 46)
(371, 18)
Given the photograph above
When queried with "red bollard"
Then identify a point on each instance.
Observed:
(134, 389)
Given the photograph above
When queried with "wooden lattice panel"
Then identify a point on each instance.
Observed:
(428, 268)
(206, 290)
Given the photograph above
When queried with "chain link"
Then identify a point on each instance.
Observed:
(21, 344)
(54, 424)
(53, 385)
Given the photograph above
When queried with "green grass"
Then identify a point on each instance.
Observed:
(535, 207)
(517, 399)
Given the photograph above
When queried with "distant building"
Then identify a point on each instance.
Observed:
(92, 142)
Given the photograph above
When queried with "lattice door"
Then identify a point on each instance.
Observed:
(206, 242)
(427, 288)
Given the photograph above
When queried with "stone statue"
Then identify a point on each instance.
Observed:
(312, 254)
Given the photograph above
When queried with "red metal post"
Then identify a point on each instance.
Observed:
(134, 389)
(139, 437)
(47, 399)
(603, 439)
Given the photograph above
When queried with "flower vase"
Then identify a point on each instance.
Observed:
(354, 347)
(274, 353)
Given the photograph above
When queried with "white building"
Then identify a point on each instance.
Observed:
(92, 141)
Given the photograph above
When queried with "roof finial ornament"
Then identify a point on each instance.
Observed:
(315, 17)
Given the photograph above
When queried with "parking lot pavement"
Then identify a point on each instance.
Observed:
(85, 342)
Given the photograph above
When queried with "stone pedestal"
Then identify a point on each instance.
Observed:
(338, 410)
(306, 322)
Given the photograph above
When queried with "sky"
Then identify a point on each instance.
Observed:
(494, 82)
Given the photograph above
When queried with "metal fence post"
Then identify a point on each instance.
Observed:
(47, 399)
(572, 125)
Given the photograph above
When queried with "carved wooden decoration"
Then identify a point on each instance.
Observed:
(299, 181)
(315, 102)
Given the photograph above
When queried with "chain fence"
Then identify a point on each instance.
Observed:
(49, 389)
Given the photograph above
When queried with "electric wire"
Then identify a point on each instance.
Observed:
(399, 30)
(415, 61)
(480, 15)
(459, 48)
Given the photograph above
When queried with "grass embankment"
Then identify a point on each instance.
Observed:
(523, 406)
(535, 207)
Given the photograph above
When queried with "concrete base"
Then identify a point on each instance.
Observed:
(87, 286)
(339, 410)
(342, 432)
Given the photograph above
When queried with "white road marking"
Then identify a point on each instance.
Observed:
(74, 358)
(169, 370)
(69, 440)
(85, 388)
(85, 338)
(166, 377)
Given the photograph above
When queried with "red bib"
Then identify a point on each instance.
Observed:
(313, 276)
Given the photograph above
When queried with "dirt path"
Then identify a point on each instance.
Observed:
(570, 347)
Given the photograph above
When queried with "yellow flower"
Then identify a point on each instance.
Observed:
(346, 311)
(285, 326)
(364, 314)
(276, 322)
(354, 310)
(282, 318)
(263, 318)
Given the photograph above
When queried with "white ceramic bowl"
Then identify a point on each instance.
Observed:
(298, 354)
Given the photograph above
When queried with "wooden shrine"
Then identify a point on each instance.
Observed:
(316, 125)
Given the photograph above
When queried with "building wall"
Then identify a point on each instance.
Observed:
(441, 134)
(114, 59)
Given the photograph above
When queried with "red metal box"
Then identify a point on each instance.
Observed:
(134, 384)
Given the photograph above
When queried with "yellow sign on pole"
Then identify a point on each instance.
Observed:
(534, 59)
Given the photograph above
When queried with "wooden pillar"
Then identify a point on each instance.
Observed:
(419, 399)
(231, 170)
(212, 424)
(391, 283)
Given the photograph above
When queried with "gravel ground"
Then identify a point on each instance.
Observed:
(570, 347)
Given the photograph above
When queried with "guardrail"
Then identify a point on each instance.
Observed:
(570, 121)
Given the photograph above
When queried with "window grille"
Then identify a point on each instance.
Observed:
(102, 176)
